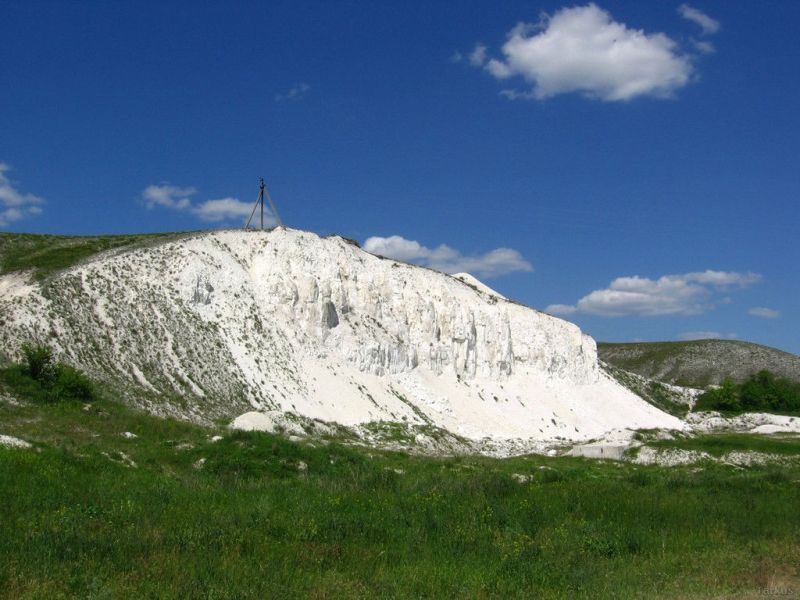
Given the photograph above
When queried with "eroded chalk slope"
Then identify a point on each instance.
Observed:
(219, 323)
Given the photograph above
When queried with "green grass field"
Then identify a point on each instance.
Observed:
(89, 513)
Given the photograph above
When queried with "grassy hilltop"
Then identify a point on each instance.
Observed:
(46, 254)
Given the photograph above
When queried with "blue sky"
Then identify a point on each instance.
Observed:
(631, 166)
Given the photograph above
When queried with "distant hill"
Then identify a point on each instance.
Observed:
(699, 363)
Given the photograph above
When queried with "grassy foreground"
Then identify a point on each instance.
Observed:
(90, 513)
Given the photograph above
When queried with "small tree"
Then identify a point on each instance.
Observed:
(54, 381)
(725, 398)
(71, 384)
(39, 363)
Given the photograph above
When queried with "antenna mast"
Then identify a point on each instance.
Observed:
(262, 192)
(261, 187)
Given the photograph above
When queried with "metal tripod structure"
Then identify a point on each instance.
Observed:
(262, 193)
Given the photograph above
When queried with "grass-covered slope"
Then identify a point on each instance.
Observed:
(671, 399)
(699, 363)
(45, 254)
(90, 511)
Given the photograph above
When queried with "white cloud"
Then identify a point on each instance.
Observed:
(397, 247)
(477, 57)
(722, 279)
(561, 309)
(295, 92)
(226, 209)
(168, 196)
(215, 211)
(582, 49)
(499, 261)
(705, 335)
(764, 312)
(685, 294)
(708, 24)
(641, 296)
(14, 205)
(517, 95)
(704, 46)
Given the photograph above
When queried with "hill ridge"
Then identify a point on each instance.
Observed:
(699, 363)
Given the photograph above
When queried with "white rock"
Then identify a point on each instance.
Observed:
(773, 428)
(764, 423)
(270, 421)
(669, 457)
(474, 283)
(13, 442)
(604, 451)
(120, 457)
(291, 322)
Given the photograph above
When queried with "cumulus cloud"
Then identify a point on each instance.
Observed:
(643, 296)
(14, 205)
(561, 309)
(396, 246)
(499, 261)
(226, 209)
(168, 196)
(214, 211)
(582, 49)
(764, 312)
(685, 294)
(705, 335)
(706, 23)
(295, 92)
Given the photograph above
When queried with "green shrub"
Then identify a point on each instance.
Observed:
(71, 384)
(39, 362)
(725, 398)
(41, 378)
(761, 392)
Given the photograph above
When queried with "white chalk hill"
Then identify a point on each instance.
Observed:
(217, 324)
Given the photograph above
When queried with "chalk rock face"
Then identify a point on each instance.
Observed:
(216, 324)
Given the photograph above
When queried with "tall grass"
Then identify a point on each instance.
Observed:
(263, 517)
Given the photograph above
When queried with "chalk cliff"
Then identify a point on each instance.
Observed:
(216, 324)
